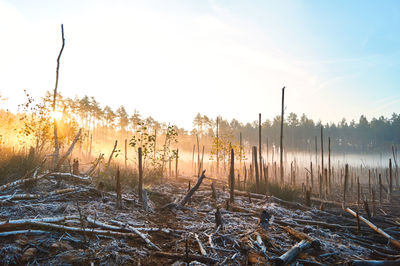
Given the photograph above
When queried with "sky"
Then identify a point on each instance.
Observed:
(173, 59)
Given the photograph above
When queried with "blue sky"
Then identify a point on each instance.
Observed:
(172, 59)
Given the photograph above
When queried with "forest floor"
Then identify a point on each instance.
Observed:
(65, 219)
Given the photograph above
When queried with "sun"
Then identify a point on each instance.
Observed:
(57, 115)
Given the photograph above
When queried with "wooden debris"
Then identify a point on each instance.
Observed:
(201, 247)
(190, 257)
(393, 241)
(292, 253)
(193, 190)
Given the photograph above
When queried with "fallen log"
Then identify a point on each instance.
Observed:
(202, 250)
(78, 230)
(19, 197)
(335, 203)
(23, 232)
(44, 219)
(374, 262)
(246, 194)
(86, 180)
(292, 253)
(302, 236)
(190, 257)
(141, 235)
(103, 225)
(22, 181)
(393, 241)
(35, 196)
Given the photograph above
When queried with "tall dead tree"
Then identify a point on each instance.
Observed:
(176, 163)
(217, 146)
(259, 144)
(240, 152)
(281, 138)
(329, 164)
(346, 176)
(390, 180)
(56, 145)
(322, 154)
(256, 168)
(232, 177)
(140, 174)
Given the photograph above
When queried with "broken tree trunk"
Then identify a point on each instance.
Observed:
(193, 190)
(292, 253)
(111, 155)
(56, 145)
(392, 241)
(95, 164)
(60, 162)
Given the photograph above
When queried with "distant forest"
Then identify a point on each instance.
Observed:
(377, 135)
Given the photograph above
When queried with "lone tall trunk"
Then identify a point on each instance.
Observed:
(240, 153)
(56, 145)
(281, 139)
(259, 144)
(217, 146)
(256, 168)
(140, 174)
(232, 176)
(322, 154)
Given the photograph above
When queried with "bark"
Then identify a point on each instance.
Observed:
(392, 241)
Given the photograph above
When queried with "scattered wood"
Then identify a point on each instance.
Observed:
(190, 257)
(192, 191)
(392, 240)
(292, 253)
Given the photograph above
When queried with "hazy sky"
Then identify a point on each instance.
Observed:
(172, 59)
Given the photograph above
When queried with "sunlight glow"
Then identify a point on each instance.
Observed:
(57, 115)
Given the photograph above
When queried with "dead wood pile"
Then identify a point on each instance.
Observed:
(58, 218)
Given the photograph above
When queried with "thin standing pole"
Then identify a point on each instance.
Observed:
(281, 138)
(56, 144)
(329, 164)
(176, 163)
(256, 168)
(217, 145)
(194, 147)
(259, 144)
(346, 176)
(140, 174)
(126, 152)
(198, 156)
(232, 176)
(240, 152)
(322, 154)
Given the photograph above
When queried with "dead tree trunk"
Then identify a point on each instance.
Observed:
(281, 138)
(56, 145)
(111, 155)
(232, 177)
(176, 163)
(118, 190)
(192, 191)
(140, 174)
(346, 176)
(256, 168)
(217, 152)
(259, 144)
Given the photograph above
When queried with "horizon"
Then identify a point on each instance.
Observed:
(214, 57)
